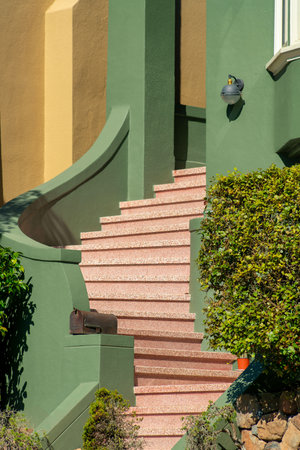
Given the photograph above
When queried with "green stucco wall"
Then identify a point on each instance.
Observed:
(140, 73)
(240, 42)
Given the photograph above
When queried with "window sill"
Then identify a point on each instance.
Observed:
(282, 58)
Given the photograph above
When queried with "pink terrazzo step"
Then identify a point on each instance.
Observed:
(161, 439)
(185, 175)
(163, 249)
(153, 321)
(150, 376)
(142, 266)
(146, 233)
(164, 416)
(161, 303)
(159, 442)
(139, 284)
(184, 397)
(160, 205)
(180, 190)
(139, 221)
(183, 358)
(164, 339)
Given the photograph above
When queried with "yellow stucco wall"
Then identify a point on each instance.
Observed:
(75, 79)
(193, 53)
(89, 75)
(21, 94)
(57, 73)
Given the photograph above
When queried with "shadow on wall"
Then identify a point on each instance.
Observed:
(242, 383)
(40, 222)
(290, 152)
(233, 112)
(12, 348)
(12, 210)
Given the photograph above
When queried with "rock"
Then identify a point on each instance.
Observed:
(291, 438)
(245, 420)
(254, 430)
(296, 421)
(271, 427)
(269, 402)
(272, 445)
(288, 403)
(248, 408)
(251, 442)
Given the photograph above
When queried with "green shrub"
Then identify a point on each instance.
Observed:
(12, 283)
(110, 426)
(15, 433)
(203, 430)
(250, 259)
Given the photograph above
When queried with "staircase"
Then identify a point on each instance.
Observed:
(137, 268)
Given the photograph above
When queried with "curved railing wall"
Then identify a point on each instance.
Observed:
(49, 365)
(55, 212)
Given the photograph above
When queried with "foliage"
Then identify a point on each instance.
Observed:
(16, 312)
(110, 426)
(12, 283)
(249, 257)
(203, 430)
(15, 433)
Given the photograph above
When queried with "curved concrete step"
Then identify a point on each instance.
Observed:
(130, 266)
(159, 442)
(164, 248)
(183, 358)
(167, 284)
(154, 320)
(138, 221)
(164, 339)
(161, 204)
(193, 174)
(145, 233)
(149, 376)
(135, 302)
(163, 416)
(182, 190)
(184, 397)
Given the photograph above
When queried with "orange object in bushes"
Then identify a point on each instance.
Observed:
(243, 363)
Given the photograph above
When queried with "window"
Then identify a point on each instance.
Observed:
(286, 34)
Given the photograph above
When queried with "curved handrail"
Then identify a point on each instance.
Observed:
(15, 216)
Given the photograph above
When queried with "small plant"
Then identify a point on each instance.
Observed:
(12, 285)
(249, 265)
(110, 426)
(15, 433)
(203, 430)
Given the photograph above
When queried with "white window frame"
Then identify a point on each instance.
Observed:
(286, 34)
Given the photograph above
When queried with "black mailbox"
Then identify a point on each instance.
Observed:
(92, 322)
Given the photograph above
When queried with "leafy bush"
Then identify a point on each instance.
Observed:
(249, 257)
(109, 426)
(203, 430)
(12, 283)
(15, 433)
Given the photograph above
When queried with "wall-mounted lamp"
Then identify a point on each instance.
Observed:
(231, 93)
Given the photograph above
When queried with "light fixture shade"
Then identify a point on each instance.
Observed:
(230, 94)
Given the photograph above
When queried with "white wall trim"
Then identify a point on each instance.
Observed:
(277, 26)
(283, 57)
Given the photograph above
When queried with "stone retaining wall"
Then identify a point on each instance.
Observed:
(269, 420)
